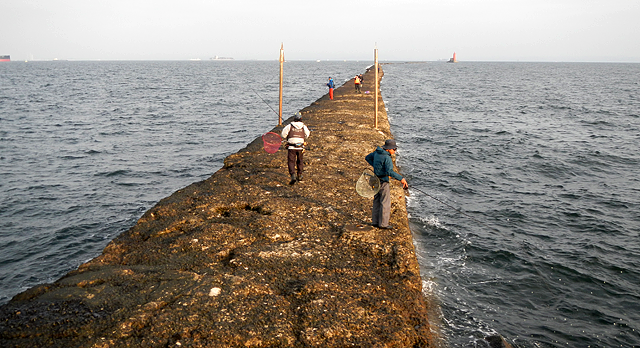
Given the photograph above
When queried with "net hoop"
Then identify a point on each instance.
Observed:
(368, 184)
(271, 142)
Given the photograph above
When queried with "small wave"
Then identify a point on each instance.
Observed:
(553, 169)
(616, 204)
(130, 184)
(114, 173)
(467, 177)
(429, 287)
(71, 157)
(44, 187)
(560, 107)
(433, 221)
(48, 198)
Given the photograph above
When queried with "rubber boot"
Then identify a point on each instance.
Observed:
(293, 179)
(300, 177)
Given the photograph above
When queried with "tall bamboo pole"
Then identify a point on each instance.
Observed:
(281, 78)
(375, 59)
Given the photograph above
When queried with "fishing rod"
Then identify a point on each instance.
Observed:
(459, 210)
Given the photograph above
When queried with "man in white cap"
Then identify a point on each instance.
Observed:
(382, 165)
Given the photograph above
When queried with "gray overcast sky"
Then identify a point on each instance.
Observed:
(478, 30)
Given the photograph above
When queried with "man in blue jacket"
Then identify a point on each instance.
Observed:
(382, 165)
(331, 86)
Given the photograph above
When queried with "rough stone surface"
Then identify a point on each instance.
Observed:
(243, 259)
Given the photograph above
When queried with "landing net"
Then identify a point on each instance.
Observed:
(271, 142)
(368, 184)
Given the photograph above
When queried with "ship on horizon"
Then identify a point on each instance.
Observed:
(6, 58)
(453, 59)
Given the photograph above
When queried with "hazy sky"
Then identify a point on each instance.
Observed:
(478, 30)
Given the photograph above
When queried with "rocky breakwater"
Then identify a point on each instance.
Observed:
(243, 259)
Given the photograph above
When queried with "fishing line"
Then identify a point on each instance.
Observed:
(459, 210)
(259, 96)
(254, 91)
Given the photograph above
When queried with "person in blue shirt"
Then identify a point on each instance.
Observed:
(382, 165)
(331, 86)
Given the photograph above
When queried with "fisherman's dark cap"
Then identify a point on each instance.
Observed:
(297, 116)
(390, 144)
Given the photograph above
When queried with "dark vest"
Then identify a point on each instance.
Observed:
(296, 133)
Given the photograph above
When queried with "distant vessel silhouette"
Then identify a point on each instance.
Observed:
(6, 58)
(453, 59)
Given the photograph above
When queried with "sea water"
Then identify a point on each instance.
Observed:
(536, 164)
(543, 160)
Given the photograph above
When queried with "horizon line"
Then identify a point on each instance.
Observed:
(441, 60)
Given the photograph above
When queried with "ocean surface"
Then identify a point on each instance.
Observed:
(525, 188)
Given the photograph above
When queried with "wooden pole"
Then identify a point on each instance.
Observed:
(281, 78)
(375, 59)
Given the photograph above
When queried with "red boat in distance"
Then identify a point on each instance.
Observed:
(6, 58)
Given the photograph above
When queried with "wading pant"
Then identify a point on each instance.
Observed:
(381, 212)
(294, 157)
(331, 93)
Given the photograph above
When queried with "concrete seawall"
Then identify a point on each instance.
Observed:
(243, 259)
